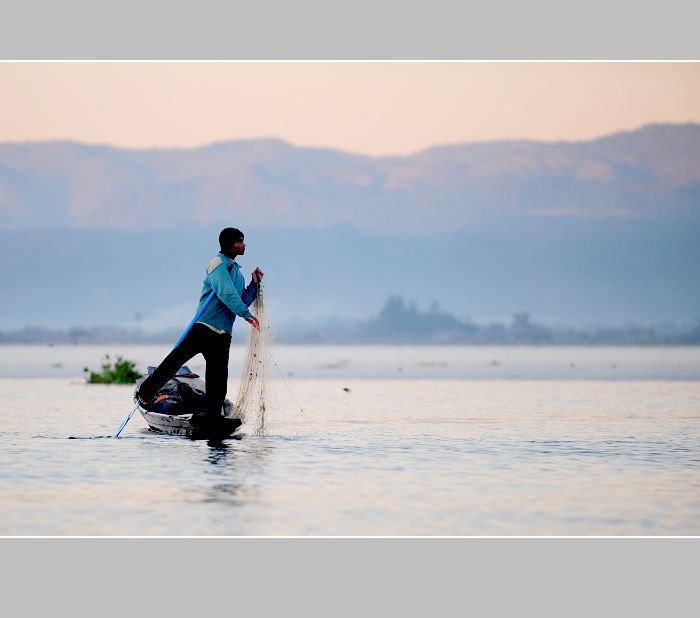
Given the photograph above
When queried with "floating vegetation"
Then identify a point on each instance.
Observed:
(122, 371)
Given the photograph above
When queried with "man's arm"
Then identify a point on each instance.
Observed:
(250, 294)
(223, 286)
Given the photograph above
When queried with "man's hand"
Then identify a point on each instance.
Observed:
(253, 322)
(257, 275)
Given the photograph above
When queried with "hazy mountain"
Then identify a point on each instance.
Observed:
(654, 171)
(604, 231)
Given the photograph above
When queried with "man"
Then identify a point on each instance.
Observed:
(211, 335)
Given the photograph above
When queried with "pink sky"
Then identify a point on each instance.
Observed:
(371, 108)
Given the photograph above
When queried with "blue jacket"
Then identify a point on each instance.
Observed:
(232, 297)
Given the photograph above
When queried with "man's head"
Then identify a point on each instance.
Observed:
(231, 242)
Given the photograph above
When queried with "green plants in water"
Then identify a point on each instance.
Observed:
(122, 371)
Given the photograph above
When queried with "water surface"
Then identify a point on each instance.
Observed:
(403, 456)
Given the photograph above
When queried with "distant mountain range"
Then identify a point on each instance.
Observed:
(604, 231)
(654, 171)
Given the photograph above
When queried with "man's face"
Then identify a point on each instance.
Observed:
(238, 247)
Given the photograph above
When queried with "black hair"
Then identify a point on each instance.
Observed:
(228, 236)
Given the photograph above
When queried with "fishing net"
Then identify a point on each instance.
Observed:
(262, 404)
(251, 404)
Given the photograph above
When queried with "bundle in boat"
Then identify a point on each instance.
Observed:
(178, 400)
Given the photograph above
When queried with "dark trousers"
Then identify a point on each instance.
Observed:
(214, 347)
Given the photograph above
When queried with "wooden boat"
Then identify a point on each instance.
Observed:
(180, 425)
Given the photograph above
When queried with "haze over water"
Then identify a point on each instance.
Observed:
(403, 440)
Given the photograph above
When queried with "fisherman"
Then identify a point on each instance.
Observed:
(211, 334)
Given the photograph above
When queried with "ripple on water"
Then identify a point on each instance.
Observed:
(396, 457)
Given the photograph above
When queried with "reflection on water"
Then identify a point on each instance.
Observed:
(231, 470)
(217, 452)
(393, 457)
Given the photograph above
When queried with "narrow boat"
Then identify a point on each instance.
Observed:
(179, 399)
(179, 425)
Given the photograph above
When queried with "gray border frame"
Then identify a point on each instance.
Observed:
(562, 576)
(361, 30)
(350, 577)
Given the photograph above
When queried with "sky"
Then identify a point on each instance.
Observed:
(374, 108)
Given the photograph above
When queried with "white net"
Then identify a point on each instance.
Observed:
(251, 404)
(266, 406)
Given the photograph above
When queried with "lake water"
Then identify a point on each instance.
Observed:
(366, 440)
